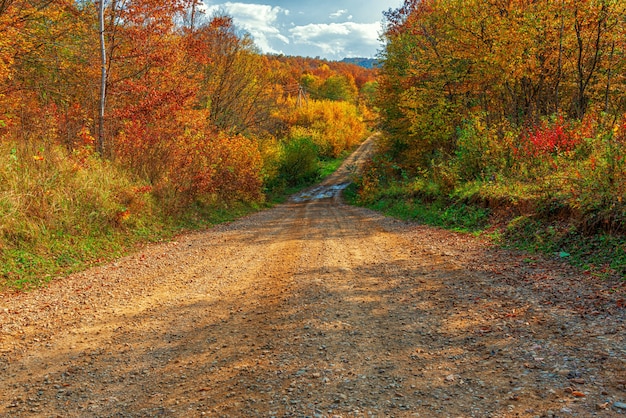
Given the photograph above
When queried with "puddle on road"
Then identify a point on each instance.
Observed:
(320, 192)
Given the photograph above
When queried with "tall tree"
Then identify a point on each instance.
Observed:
(103, 78)
(236, 86)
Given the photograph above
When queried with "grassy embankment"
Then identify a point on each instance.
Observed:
(600, 254)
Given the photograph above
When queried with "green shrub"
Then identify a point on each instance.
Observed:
(300, 163)
(481, 151)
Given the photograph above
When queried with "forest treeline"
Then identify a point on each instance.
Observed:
(195, 120)
(514, 106)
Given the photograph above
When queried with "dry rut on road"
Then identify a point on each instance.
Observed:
(317, 309)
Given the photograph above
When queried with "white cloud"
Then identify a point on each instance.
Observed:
(307, 30)
(338, 39)
(259, 20)
(338, 14)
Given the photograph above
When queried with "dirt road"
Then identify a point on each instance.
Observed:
(317, 309)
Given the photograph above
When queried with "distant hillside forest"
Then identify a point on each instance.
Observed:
(369, 63)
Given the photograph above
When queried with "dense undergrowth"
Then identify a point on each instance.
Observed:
(61, 212)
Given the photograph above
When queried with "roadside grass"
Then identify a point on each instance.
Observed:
(32, 266)
(401, 203)
(26, 265)
(602, 255)
(514, 217)
(328, 166)
(204, 215)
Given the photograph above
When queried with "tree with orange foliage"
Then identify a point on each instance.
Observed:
(235, 86)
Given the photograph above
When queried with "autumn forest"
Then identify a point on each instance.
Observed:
(129, 120)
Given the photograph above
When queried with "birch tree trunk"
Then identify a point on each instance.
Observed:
(103, 80)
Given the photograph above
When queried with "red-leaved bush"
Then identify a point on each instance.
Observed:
(186, 160)
(549, 137)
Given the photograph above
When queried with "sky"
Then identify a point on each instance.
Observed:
(330, 29)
